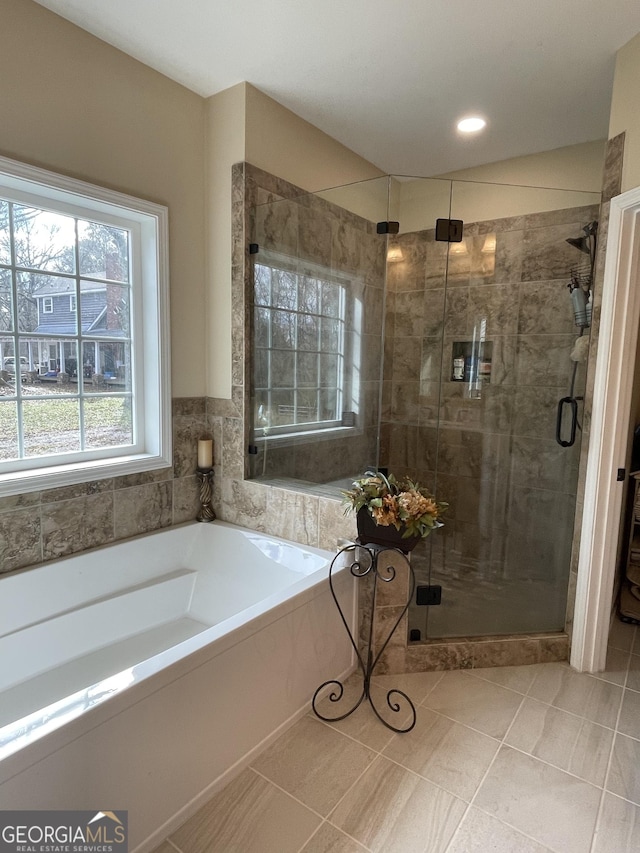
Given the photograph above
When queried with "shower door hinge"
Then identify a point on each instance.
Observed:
(622, 475)
(388, 227)
(253, 450)
(449, 230)
(431, 594)
(254, 248)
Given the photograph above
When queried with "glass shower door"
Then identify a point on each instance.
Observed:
(509, 334)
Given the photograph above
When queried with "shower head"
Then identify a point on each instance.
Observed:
(580, 243)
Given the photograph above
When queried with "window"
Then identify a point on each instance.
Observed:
(299, 352)
(84, 322)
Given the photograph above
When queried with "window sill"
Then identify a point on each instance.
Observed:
(303, 437)
(41, 479)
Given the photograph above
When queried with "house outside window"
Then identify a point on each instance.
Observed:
(84, 323)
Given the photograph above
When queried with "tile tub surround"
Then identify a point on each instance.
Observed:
(41, 526)
(524, 758)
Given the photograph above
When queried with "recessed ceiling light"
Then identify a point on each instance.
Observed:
(471, 124)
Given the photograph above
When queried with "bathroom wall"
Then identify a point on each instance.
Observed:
(74, 104)
(625, 117)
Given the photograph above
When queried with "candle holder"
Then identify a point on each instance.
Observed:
(205, 475)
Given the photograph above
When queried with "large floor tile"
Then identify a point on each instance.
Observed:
(391, 810)
(363, 725)
(518, 678)
(633, 679)
(629, 723)
(248, 816)
(618, 829)
(616, 666)
(564, 740)
(622, 635)
(328, 839)
(597, 700)
(474, 702)
(480, 832)
(635, 648)
(547, 804)
(315, 763)
(444, 752)
(415, 684)
(624, 775)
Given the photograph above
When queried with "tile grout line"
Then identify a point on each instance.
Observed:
(486, 773)
(611, 750)
(173, 844)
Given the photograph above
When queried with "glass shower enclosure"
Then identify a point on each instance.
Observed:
(376, 343)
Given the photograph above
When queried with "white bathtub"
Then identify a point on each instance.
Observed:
(142, 676)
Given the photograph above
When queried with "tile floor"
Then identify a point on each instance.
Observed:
(527, 759)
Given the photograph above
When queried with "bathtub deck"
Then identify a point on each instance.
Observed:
(84, 675)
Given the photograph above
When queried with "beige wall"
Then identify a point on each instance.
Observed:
(562, 178)
(73, 104)
(625, 113)
(225, 145)
(286, 145)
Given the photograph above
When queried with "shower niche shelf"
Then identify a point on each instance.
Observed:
(471, 361)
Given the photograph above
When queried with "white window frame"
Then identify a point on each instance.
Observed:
(47, 304)
(147, 223)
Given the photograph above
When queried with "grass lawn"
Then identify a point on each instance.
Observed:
(52, 425)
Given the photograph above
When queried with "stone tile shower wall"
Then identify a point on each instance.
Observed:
(510, 486)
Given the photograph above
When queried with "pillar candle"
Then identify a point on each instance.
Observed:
(205, 453)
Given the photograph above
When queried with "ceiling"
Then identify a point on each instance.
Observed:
(390, 79)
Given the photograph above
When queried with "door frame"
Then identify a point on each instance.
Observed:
(609, 433)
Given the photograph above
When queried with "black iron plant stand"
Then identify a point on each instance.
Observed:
(365, 564)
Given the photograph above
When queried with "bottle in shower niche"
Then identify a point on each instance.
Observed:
(458, 369)
(470, 368)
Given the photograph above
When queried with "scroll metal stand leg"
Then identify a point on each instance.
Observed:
(366, 563)
(205, 475)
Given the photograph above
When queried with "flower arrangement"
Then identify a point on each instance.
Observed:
(402, 503)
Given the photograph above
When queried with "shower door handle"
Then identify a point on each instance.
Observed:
(573, 403)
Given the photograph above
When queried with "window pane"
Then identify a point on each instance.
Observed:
(261, 368)
(307, 332)
(5, 237)
(307, 370)
(6, 308)
(105, 309)
(330, 299)
(8, 366)
(330, 339)
(43, 240)
(107, 422)
(307, 409)
(51, 426)
(8, 430)
(282, 365)
(329, 405)
(308, 295)
(262, 285)
(103, 251)
(261, 324)
(283, 330)
(106, 366)
(282, 408)
(329, 370)
(284, 290)
(44, 304)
